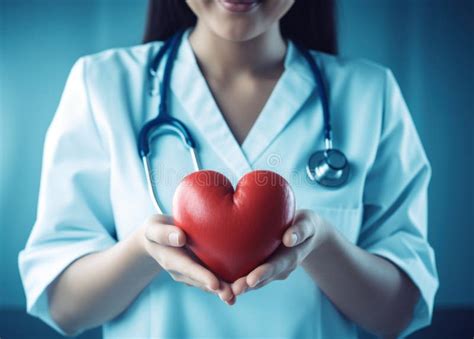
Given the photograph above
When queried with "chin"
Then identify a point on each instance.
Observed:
(240, 26)
(236, 35)
(237, 32)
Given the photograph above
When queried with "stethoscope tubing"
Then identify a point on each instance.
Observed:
(319, 163)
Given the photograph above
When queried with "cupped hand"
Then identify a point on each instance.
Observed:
(165, 242)
(307, 233)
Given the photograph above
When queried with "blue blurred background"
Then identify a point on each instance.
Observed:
(427, 43)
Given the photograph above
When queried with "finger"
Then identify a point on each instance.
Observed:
(298, 232)
(284, 259)
(239, 286)
(190, 282)
(224, 290)
(226, 294)
(173, 259)
(165, 234)
(260, 274)
(232, 301)
(184, 264)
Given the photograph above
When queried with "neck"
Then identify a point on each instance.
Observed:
(221, 58)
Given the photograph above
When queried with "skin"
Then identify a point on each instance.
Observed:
(237, 53)
(241, 57)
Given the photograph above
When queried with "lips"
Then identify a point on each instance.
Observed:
(239, 6)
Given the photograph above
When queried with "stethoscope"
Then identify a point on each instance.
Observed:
(328, 167)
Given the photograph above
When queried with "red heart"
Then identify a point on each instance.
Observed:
(233, 232)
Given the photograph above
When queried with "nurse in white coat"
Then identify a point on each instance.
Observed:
(356, 256)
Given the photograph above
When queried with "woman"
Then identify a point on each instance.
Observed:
(356, 256)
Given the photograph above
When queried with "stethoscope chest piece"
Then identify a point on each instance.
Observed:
(329, 168)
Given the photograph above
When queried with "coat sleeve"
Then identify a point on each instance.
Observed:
(74, 215)
(395, 203)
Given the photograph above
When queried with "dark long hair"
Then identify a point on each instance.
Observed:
(311, 23)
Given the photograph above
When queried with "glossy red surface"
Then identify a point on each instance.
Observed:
(232, 232)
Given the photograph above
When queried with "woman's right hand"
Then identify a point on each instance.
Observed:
(165, 242)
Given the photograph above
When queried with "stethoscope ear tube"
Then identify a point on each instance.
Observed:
(318, 77)
(163, 124)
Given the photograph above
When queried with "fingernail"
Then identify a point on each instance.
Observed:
(294, 239)
(212, 289)
(174, 238)
(256, 283)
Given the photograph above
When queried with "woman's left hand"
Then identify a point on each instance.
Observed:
(308, 232)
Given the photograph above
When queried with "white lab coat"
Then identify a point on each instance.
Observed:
(93, 190)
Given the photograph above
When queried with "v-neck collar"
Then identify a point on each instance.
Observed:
(290, 92)
(288, 96)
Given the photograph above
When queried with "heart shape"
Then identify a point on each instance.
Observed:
(232, 232)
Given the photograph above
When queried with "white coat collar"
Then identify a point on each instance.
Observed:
(289, 94)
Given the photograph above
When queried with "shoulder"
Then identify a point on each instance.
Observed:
(355, 72)
(120, 60)
(136, 54)
(114, 72)
(114, 82)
